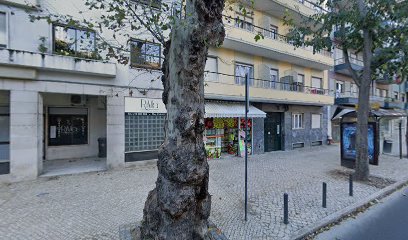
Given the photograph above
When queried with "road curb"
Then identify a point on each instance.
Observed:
(304, 232)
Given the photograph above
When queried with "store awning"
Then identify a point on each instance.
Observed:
(340, 112)
(231, 110)
(389, 113)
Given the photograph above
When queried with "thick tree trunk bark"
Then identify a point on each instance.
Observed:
(179, 206)
(362, 164)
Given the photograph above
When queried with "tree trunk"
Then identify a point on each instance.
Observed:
(179, 206)
(362, 163)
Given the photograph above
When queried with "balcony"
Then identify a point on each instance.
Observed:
(340, 66)
(394, 104)
(29, 61)
(274, 46)
(388, 80)
(268, 91)
(383, 102)
(21, 3)
(353, 101)
(297, 8)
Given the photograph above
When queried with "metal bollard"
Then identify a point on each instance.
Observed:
(351, 185)
(324, 195)
(285, 209)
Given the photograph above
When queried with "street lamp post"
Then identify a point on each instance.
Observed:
(246, 141)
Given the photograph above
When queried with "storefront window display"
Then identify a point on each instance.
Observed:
(242, 137)
(223, 135)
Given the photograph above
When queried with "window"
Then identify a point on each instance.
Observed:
(402, 97)
(339, 86)
(316, 120)
(317, 86)
(316, 82)
(67, 126)
(177, 9)
(241, 70)
(298, 84)
(297, 121)
(354, 88)
(396, 95)
(301, 79)
(384, 93)
(245, 21)
(3, 30)
(211, 69)
(152, 3)
(145, 54)
(70, 41)
(273, 32)
(144, 132)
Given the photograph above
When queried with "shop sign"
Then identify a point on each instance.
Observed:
(144, 106)
(374, 106)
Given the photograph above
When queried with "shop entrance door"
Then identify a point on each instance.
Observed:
(273, 132)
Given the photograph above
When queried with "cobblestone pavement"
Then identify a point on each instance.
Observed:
(94, 205)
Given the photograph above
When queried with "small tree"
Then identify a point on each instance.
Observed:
(377, 29)
(179, 206)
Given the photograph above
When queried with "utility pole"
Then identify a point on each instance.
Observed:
(246, 142)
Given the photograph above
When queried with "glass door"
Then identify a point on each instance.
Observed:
(4, 138)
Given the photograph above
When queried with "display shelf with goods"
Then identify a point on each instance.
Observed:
(212, 141)
(230, 141)
(229, 137)
(226, 135)
(242, 137)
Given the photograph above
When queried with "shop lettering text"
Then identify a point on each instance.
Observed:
(149, 104)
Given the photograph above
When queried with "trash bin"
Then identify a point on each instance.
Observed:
(387, 146)
(102, 147)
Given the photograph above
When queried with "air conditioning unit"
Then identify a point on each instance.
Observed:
(286, 83)
(293, 74)
(78, 100)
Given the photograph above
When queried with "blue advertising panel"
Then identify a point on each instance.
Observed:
(348, 142)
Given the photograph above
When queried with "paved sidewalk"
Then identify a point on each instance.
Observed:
(94, 205)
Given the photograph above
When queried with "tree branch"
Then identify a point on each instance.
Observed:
(157, 34)
(353, 72)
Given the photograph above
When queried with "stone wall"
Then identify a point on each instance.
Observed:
(258, 135)
(307, 135)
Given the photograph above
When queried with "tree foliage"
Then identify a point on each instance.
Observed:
(343, 25)
(378, 30)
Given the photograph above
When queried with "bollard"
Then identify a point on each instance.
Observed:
(351, 185)
(400, 139)
(285, 209)
(324, 195)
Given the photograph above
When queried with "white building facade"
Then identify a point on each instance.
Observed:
(59, 102)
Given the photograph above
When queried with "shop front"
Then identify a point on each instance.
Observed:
(144, 128)
(74, 129)
(225, 129)
(4, 133)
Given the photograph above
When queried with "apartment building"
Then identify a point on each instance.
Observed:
(290, 86)
(387, 96)
(64, 110)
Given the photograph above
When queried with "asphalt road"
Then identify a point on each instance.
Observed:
(387, 220)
